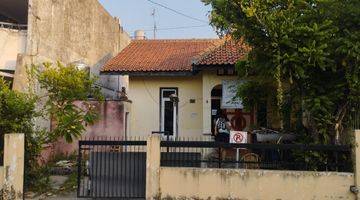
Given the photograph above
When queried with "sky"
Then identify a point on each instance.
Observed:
(136, 14)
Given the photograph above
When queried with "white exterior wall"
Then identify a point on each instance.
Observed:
(194, 119)
(210, 79)
(145, 108)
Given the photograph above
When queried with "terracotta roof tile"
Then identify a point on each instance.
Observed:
(159, 55)
(227, 53)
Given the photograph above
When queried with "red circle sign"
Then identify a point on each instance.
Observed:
(238, 137)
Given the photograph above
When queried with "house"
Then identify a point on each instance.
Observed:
(177, 86)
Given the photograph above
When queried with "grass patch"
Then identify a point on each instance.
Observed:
(39, 178)
(70, 184)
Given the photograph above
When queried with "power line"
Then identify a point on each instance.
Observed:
(177, 12)
(179, 27)
(129, 32)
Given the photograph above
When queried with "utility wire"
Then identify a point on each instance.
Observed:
(179, 27)
(109, 32)
(177, 12)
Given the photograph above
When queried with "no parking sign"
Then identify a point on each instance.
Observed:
(238, 137)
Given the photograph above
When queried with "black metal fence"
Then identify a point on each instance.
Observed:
(117, 169)
(256, 156)
(166, 136)
(112, 169)
(354, 112)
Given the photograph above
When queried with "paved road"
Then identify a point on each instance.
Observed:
(68, 196)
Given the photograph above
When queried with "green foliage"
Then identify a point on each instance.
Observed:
(17, 113)
(71, 183)
(37, 179)
(16, 110)
(67, 87)
(252, 93)
(308, 49)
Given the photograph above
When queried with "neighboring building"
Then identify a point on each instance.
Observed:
(69, 31)
(194, 70)
(60, 30)
(37, 31)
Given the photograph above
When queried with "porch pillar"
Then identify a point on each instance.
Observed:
(206, 94)
(153, 167)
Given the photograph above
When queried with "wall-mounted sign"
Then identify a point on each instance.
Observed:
(229, 99)
(213, 112)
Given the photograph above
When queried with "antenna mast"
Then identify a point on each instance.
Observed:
(155, 28)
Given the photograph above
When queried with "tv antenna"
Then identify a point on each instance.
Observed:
(155, 28)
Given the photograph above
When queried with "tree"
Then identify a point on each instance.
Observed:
(309, 50)
(16, 110)
(63, 86)
(17, 113)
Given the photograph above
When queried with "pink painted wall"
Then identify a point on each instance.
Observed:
(109, 126)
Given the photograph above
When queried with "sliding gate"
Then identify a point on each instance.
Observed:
(112, 169)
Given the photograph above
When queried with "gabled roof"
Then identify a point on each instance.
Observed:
(163, 56)
(159, 55)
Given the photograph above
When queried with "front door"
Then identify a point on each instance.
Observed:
(168, 112)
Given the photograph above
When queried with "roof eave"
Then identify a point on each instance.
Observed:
(149, 73)
(212, 67)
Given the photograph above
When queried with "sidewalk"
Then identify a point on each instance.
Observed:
(68, 196)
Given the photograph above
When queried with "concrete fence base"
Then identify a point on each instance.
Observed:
(206, 183)
(12, 172)
(198, 183)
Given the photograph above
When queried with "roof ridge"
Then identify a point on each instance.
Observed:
(167, 55)
(178, 40)
(207, 52)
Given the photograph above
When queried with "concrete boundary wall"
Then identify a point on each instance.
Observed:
(205, 183)
(12, 173)
(198, 183)
(1, 176)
